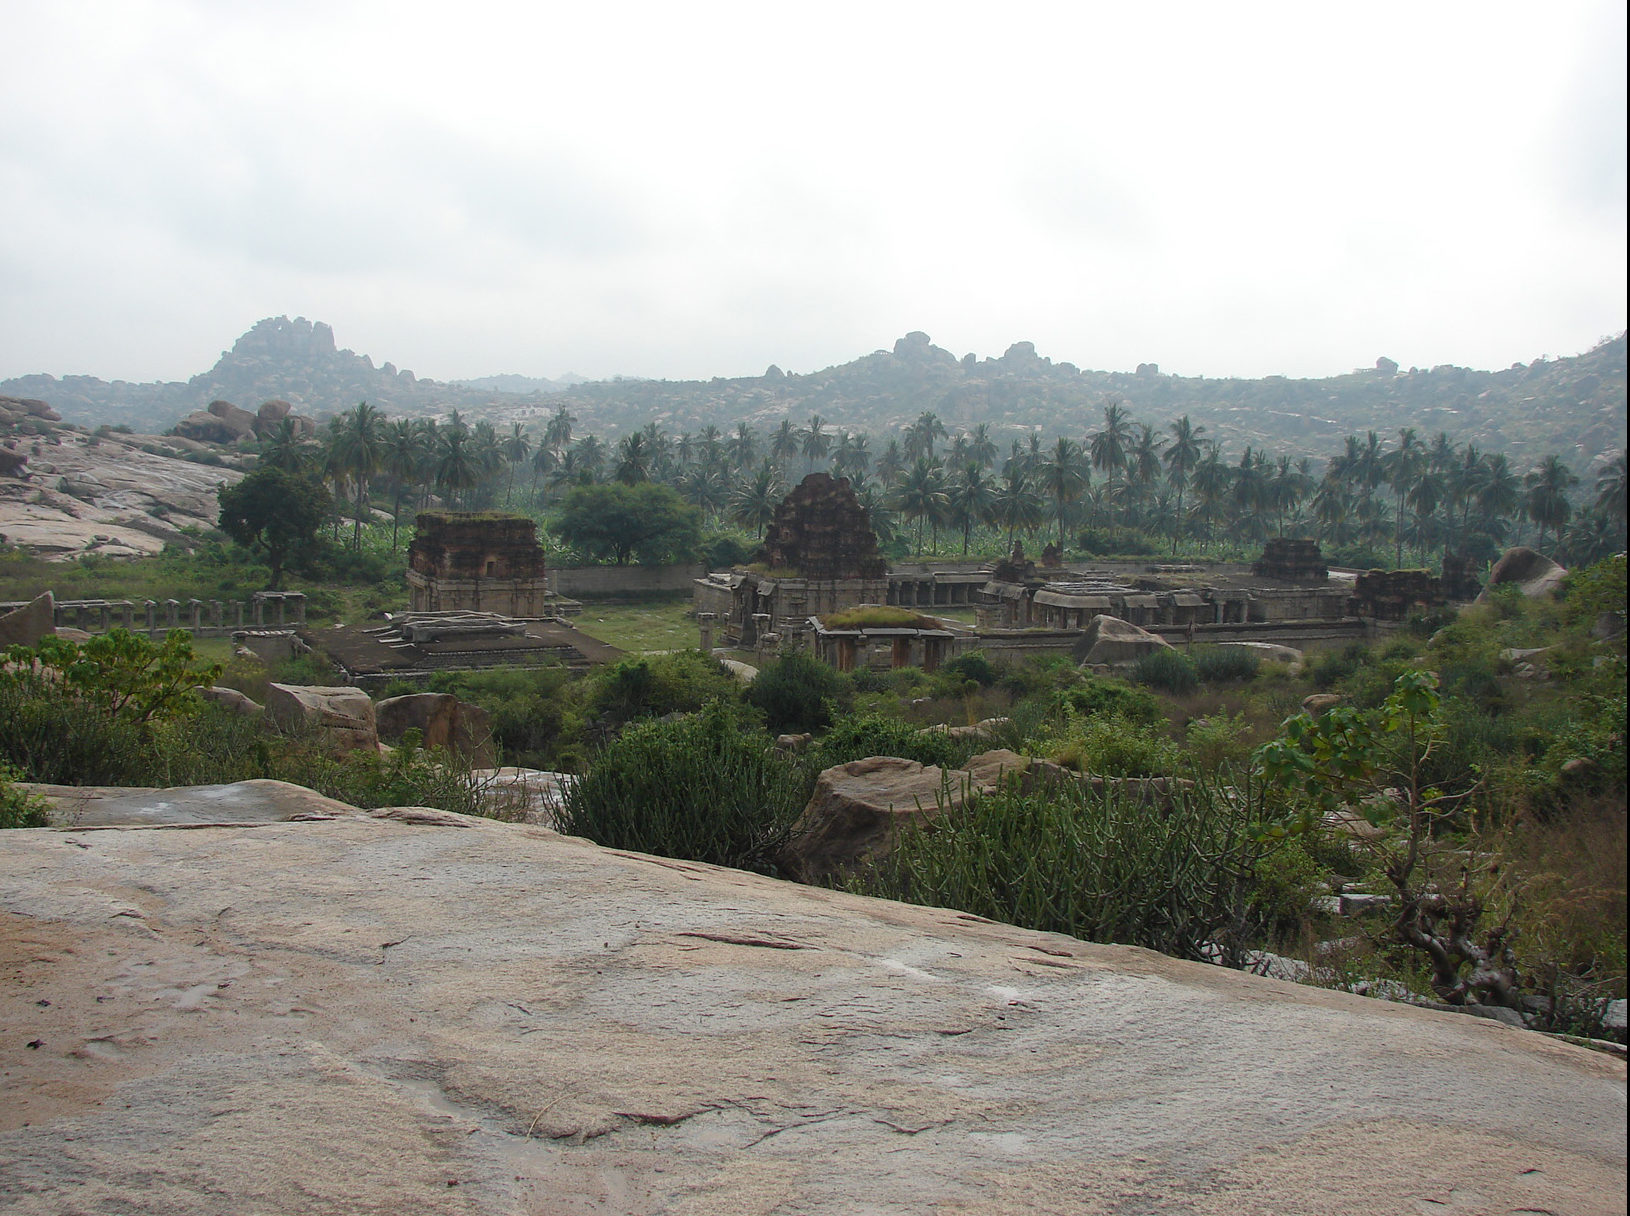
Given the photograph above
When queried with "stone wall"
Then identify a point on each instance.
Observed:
(592, 582)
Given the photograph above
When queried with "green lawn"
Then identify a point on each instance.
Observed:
(666, 625)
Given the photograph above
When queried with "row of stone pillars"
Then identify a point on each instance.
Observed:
(265, 608)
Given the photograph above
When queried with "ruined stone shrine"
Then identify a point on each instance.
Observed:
(477, 561)
(820, 555)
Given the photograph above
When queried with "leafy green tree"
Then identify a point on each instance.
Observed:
(648, 521)
(275, 514)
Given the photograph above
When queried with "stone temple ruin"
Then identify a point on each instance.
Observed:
(483, 561)
(820, 557)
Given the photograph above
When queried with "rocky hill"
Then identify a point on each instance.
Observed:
(1574, 406)
(278, 359)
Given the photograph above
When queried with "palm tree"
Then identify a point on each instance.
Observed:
(1333, 509)
(970, 495)
(1063, 475)
(404, 460)
(981, 447)
(1182, 454)
(361, 441)
(743, 446)
(753, 503)
(285, 447)
(633, 459)
(1547, 499)
(590, 452)
(921, 434)
(1499, 494)
(921, 496)
(517, 446)
(814, 442)
(784, 443)
(456, 467)
(1016, 505)
(1108, 446)
(1402, 467)
(558, 433)
(891, 463)
(1212, 478)
(1610, 492)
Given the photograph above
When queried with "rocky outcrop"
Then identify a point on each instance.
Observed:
(858, 810)
(27, 625)
(442, 720)
(341, 718)
(388, 1014)
(1533, 572)
(1112, 642)
(222, 423)
(233, 701)
(1269, 652)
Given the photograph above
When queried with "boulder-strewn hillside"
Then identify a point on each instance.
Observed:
(278, 359)
(406, 1011)
(1573, 406)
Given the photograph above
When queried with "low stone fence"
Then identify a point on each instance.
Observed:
(596, 582)
(201, 618)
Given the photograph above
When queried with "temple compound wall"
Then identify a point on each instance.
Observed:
(480, 561)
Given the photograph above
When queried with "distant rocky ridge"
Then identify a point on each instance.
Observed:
(1572, 406)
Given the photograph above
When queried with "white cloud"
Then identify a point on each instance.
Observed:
(680, 190)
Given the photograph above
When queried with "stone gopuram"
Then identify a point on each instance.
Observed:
(1292, 560)
(821, 531)
(820, 555)
(477, 561)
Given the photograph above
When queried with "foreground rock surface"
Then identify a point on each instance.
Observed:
(371, 1015)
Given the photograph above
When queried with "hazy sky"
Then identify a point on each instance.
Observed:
(703, 189)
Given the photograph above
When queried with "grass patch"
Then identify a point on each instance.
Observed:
(878, 616)
(641, 627)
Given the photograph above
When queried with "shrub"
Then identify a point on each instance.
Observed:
(972, 666)
(1110, 746)
(877, 616)
(1226, 664)
(1168, 670)
(798, 693)
(19, 809)
(856, 737)
(1096, 695)
(697, 787)
(653, 685)
(1100, 866)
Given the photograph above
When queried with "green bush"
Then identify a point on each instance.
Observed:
(974, 666)
(1107, 745)
(1226, 664)
(697, 787)
(856, 737)
(681, 682)
(1095, 695)
(1098, 866)
(1168, 670)
(798, 693)
(19, 809)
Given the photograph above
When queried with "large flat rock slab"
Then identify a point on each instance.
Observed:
(360, 1015)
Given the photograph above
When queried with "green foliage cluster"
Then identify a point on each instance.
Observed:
(699, 787)
(1171, 671)
(1225, 664)
(798, 693)
(618, 522)
(854, 737)
(877, 616)
(1099, 865)
(18, 808)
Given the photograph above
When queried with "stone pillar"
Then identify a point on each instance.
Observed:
(195, 614)
(215, 614)
(104, 616)
(299, 598)
(172, 613)
(237, 614)
(257, 605)
(704, 622)
(282, 609)
(152, 610)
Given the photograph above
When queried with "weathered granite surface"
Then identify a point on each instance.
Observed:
(359, 1015)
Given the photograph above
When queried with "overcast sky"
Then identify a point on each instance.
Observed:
(703, 189)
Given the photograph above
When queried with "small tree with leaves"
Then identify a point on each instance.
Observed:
(1376, 762)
